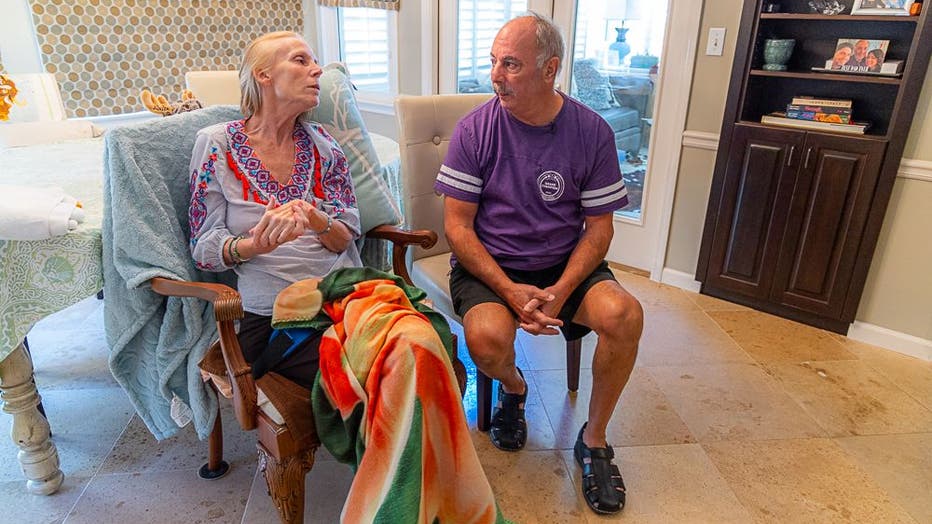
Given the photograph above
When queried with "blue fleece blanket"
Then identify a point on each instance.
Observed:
(156, 343)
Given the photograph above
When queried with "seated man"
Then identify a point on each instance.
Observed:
(528, 214)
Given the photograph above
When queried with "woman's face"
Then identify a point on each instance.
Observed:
(872, 60)
(294, 77)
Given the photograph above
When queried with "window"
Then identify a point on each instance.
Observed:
(479, 22)
(364, 39)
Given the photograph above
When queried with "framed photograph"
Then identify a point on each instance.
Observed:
(858, 55)
(882, 7)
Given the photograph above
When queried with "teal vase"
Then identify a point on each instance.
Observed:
(777, 52)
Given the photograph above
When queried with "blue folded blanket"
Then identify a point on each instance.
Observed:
(156, 342)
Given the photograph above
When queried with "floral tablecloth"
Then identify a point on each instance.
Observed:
(38, 278)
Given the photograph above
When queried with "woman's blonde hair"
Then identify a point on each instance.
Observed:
(257, 56)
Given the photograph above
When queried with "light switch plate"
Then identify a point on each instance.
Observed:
(716, 41)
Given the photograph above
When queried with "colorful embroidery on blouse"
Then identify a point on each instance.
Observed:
(197, 211)
(338, 185)
(252, 170)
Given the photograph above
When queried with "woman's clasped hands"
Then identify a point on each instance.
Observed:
(281, 223)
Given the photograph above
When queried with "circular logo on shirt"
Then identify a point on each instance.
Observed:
(550, 184)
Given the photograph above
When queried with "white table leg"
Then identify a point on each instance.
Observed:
(37, 456)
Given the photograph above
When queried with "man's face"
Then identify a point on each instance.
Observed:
(516, 79)
(860, 49)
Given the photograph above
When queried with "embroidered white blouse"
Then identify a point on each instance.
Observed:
(230, 188)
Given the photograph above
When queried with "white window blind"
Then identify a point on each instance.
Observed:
(364, 39)
(479, 22)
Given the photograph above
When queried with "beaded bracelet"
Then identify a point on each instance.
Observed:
(228, 248)
(235, 255)
(326, 230)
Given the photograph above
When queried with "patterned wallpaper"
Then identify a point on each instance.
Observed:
(104, 52)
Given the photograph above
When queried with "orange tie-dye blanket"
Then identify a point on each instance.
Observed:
(387, 402)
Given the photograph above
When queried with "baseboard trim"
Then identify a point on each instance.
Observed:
(680, 279)
(915, 169)
(893, 340)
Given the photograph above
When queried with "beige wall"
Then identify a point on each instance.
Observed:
(898, 294)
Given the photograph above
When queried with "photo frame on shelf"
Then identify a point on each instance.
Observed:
(857, 55)
(882, 7)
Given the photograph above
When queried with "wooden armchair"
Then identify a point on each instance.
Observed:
(425, 125)
(277, 408)
(150, 278)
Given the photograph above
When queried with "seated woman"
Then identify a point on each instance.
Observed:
(272, 199)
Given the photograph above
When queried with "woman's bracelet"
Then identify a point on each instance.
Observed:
(228, 249)
(234, 252)
(327, 229)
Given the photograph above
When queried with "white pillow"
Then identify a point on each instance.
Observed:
(32, 133)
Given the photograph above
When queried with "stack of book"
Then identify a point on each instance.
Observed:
(828, 114)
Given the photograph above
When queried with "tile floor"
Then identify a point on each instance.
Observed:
(730, 416)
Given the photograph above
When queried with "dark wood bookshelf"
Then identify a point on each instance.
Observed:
(794, 214)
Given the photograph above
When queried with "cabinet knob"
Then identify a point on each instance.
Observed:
(806, 162)
(789, 157)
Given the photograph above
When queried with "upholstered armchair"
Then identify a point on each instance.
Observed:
(165, 318)
(593, 88)
(425, 125)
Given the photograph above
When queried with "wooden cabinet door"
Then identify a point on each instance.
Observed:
(756, 192)
(829, 209)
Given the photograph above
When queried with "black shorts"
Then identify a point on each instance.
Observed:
(264, 355)
(467, 291)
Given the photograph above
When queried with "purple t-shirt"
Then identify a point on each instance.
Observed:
(534, 184)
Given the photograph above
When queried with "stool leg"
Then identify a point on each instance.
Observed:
(573, 353)
(483, 400)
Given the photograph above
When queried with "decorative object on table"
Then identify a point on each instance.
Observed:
(770, 7)
(882, 7)
(619, 49)
(916, 8)
(624, 11)
(7, 93)
(857, 55)
(159, 105)
(826, 7)
(644, 61)
(777, 52)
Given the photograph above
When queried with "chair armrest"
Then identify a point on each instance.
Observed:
(401, 239)
(228, 306)
(227, 303)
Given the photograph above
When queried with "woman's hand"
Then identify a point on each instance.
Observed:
(279, 224)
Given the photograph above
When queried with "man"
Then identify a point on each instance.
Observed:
(531, 180)
(859, 58)
(842, 55)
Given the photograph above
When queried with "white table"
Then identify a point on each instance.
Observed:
(38, 278)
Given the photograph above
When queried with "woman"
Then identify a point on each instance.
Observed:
(272, 199)
(272, 196)
(874, 60)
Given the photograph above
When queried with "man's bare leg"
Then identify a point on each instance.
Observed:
(617, 318)
(490, 337)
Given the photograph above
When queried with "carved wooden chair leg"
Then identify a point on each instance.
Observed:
(216, 467)
(483, 400)
(573, 354)
(285, 480)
